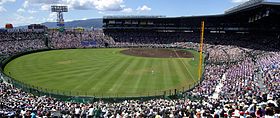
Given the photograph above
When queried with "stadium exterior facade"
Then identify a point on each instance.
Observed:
(251, 16)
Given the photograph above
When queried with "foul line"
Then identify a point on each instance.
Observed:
(184, 65)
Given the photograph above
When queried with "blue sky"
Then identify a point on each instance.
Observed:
(22, 12)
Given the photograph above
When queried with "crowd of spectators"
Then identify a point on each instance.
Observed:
(212, 77)
(15, 42)
(270, 70)
(17, 103)
(12, 36)
(147, 37)
(76, 39)
(224, 53)
(239, 80)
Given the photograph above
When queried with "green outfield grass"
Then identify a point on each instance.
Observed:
(103, 72)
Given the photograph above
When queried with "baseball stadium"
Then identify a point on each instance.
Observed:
(209, 66)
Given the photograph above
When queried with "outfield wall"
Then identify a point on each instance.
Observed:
(81, 96)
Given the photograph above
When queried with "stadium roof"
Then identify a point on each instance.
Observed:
(251, 4)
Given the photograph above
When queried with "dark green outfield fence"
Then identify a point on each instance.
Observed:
(82, 96)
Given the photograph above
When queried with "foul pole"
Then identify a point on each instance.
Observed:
(201, 50)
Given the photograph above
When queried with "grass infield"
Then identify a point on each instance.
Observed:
(104, 72)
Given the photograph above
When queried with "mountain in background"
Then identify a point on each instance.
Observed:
(87, 24)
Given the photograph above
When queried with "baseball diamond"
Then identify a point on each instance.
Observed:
(107, 72)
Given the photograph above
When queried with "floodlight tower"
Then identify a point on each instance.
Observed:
(59, 10)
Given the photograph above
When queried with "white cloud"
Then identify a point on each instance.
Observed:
(25, 4)
(25, 9)
(79, 4)
(2, 9)
(44, 1)
(18, 20)
(144, 8)
(5, 1)
(85, 18)
(45, 7)
(127, 10)
(101, 5)
(51, 17)
(40, 4)
(101, 12)
(20, 10)
(31, 11)
(239, 1)
(108, 5)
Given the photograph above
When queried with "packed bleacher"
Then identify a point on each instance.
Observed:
(241, 78)
(73, 39)
(15, 42)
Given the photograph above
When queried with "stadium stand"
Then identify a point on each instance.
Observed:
(72, 39)
(240, 87)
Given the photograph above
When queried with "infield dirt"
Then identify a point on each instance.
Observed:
(157, 53)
